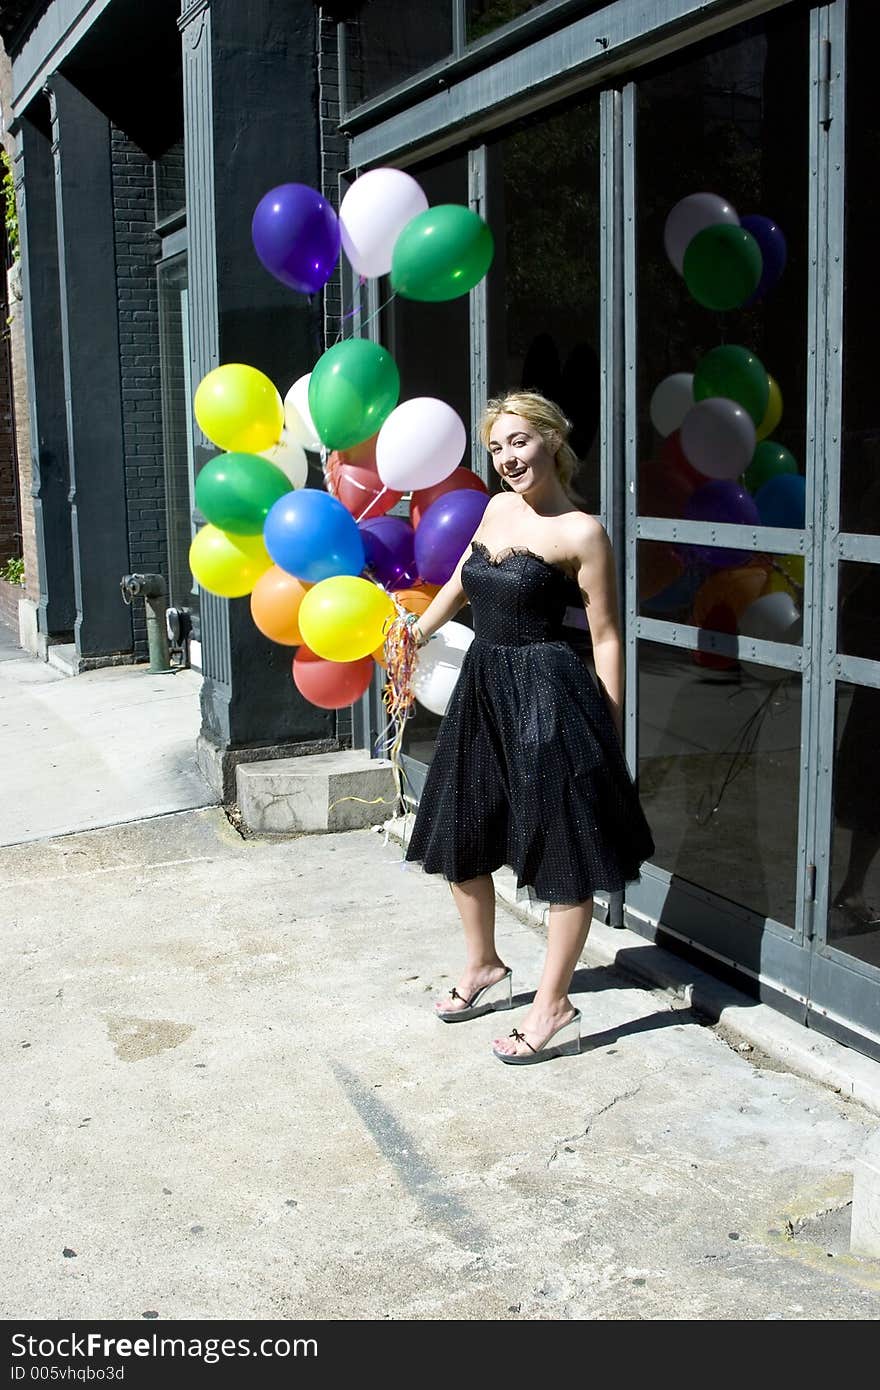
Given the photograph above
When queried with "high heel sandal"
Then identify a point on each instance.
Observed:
(567, 1044)
(497, 996)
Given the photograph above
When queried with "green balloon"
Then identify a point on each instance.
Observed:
(722, 266)
(441, 254)
(768, 461)
(735, 373)
(352, 390)
(236, 492)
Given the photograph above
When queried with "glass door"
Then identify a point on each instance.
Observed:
(845, 983)
(721, 470)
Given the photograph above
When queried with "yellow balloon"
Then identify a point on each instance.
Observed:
(342, 618)
(787, 576)
(773, 413)
(239, 409)
(227, 565)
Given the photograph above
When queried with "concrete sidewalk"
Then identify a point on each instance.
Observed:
(227, 1097)
(108, 746)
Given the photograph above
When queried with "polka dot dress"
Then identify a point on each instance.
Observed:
(527, 769)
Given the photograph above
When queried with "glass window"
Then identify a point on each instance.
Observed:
(729, 119)
(386, 43)
(431, 345)
(544, 284)
(172, 279)
(854, 917)
(718, 776)
(858, 611)
(860, 449)
(484, 16)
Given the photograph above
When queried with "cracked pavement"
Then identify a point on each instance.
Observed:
(228, 1097)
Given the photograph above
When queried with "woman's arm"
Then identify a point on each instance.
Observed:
(597, 581)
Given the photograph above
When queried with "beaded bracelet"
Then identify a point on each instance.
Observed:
(410, 620)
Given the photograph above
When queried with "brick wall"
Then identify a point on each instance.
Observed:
(137, 250)
(20, 389)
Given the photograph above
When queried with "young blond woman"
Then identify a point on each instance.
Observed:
(528, 768)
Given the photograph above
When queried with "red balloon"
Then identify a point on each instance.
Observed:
(458, 479)
(718, 619)
(362, 492)
(331, 684)
(675, 461)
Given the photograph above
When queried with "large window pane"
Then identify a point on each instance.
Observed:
(757, 596)
(431, 345)
(860, 453)
(176, 428)
(858, 611)
(854, 917)
(544, 290)
(729, 119)
(718, 777)
(386, 43)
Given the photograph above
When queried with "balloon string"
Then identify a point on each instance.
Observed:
(354, 309)
(371, 503)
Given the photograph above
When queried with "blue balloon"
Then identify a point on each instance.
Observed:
(782, 501)
(774, 253)
(311, 535)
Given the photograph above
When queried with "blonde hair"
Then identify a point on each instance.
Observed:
(547, 419)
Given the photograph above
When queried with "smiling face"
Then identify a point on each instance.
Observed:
(519, 454)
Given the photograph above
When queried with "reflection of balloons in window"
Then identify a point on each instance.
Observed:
(722, 267)
(690, 216)
(718, 437)
(782, 501)
(736, 373)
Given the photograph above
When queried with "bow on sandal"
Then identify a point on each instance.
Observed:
(498, 995)
(567, 1044)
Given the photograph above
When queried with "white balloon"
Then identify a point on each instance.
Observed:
(421, 443)
(671, 402)
(771, 618)
(718, 437)
(290, 458)
(691, 215)
(298, 418)
(438, 666)
(372, 215)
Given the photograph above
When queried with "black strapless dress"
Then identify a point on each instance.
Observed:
(528, 770)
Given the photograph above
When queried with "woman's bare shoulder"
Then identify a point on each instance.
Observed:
(587, 534)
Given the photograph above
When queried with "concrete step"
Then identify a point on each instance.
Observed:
(322, 791)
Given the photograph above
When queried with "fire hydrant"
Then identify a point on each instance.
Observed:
(154, 591)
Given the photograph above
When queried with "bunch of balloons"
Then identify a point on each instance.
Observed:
(384, 225)
(718, 463)
(727, 261)
(327, 571)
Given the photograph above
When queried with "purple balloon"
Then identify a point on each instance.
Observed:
(296, 236)
(444, 531)
(774, 253)
(721, 501)
(389, 545)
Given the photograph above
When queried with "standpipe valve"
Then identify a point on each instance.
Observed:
(154, 591)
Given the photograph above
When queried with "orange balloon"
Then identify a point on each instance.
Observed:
(379, 656)
(731, 591)
(414, 600)
(275, 603)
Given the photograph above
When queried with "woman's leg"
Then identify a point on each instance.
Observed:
(475, 900)
(566, 936)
